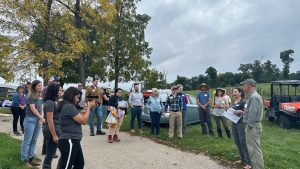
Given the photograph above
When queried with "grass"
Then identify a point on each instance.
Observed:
(5, 110)
(280, 146)
(10, 157)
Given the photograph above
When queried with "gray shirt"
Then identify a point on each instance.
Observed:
(51, 106)
(70, 128)
(38, 106)
(136, 99)
(253, 112)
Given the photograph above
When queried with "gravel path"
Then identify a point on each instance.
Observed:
(132, 152)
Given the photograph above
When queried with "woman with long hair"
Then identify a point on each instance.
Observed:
(70, 121)
(219, 105)
(18, 109)
(238, 129)
(51, 128)
(32, 124)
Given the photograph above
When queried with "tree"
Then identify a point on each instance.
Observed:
(129, 53)
(89, 19)
(43, 46)
(271, 72)
(183, 81)
(211, 73)
(257, 71)
(6, 48)
(153, 78)
(245, 69)
(225, 79)
(287, 60)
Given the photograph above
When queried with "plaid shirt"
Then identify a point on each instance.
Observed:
(174, 102)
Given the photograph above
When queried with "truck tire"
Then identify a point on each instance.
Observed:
(285, 122)
(270, 118)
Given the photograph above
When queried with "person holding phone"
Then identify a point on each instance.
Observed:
(71, 120)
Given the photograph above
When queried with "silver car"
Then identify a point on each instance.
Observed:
(192, 114)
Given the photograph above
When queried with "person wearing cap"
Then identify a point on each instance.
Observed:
(94, 91)
(82, 94)
(174, 103)
(136, 101)
(203, 100)
(105, 97)
(253, 114)
(219, 105)
(184, 102)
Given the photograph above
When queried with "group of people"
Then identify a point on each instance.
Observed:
(247, 130)
(61, 117)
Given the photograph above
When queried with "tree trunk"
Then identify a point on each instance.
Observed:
(78, 24)
(46, 36)
(117, 70)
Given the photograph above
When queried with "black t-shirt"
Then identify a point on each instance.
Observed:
(51, 106)
(239, 106)
(104, 101)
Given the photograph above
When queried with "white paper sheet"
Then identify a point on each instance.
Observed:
(122, 104)
(229, 114)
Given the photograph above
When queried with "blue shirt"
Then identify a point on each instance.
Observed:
(155, 104)
(183, 97)
(203, 97)
(16, 99)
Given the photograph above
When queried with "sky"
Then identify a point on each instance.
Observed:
(188, 36)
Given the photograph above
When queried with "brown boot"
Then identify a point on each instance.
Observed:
(110, 140)
(116, 138)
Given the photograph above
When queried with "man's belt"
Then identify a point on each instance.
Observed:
(137, 106)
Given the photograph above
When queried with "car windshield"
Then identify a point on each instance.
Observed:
(163, 97)
(192, 99)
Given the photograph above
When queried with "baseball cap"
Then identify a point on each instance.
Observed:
(174, 87)
(250, 82)
(54, 78)
(79, 84)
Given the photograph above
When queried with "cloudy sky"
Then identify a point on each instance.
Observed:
(188, 36)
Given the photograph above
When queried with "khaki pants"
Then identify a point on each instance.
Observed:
(114, 129)
(253, 144)
(175, 117)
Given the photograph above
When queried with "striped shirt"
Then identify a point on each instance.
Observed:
(174, 102)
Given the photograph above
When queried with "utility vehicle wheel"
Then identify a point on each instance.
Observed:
(270, 118)
(285, 122)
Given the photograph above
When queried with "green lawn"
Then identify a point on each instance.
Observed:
(10, 157)
(280, 147)
(5, 110)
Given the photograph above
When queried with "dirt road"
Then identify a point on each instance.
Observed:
(131, 153)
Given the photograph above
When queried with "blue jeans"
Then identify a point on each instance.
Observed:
(136, 111)
(155, 118)
(98, 111)
(32, 129)
(104, 111)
